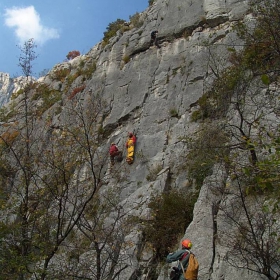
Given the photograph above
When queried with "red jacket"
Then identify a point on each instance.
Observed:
(113, 150)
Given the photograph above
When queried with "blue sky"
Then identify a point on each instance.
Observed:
(57, 26)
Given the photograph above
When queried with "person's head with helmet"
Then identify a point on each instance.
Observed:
(186, 244)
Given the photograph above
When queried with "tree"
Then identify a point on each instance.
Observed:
(241, 92)
(245, 96)
(16, 231)
(171, 212)
(51, 177)
(253, 234)
(105, 228)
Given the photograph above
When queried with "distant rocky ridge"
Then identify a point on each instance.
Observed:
(8, 86)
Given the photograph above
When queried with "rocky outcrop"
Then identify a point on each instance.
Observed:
(8, 86)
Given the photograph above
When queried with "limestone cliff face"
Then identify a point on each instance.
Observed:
(8, 86)
(143, 87)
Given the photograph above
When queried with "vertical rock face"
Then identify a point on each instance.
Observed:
(6, 88)
(153, 92)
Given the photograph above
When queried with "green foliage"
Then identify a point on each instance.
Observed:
(262, 49)
(61, 74)
(215, 102)
(4, 114)
(89, 69)
(264, 176)
(171, 213)
(258, 59)
(173, 113)
(208, 148)
(135, 20)
(85, 69)
(126, 59)
(196, 115)
(151, 2)
(265, 79)
(112, 29)
(17, 94)
(240, 86)
(48, 96)
(14, 265)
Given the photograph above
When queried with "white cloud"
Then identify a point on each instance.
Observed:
(26, 22)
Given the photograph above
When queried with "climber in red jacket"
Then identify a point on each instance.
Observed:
(113, 151)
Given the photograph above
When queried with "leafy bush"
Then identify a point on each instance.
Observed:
(86, 72)
(16, 94)
(126, 59)
(72, 54)
(112, 29)
(173, 113)
(206, 149)
(48, 96)
(89, 70)
(61, 74)
(264, 177)
(171, 213)
(196, 115)
(216, 101)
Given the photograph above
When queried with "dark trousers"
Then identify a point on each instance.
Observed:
(154, 41)
(112, 157)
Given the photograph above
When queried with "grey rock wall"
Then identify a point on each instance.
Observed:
(6, 88)
(141, 94)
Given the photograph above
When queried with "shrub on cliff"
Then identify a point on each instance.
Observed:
(72, 54)
(112, 29)
(171, 213)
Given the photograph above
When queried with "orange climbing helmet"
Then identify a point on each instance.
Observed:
(186, 243)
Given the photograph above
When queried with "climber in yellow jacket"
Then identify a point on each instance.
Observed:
(130, 146)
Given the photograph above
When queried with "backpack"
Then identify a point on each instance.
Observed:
(192, 269)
